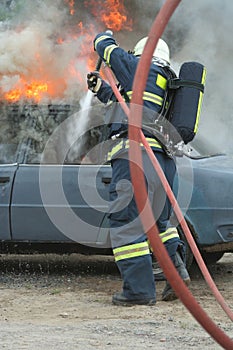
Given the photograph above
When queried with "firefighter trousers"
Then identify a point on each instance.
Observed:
(129, 241)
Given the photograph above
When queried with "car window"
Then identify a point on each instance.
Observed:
(8, 134)
(8, 153)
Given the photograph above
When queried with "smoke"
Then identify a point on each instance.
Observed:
(40, 40)
(199, 31)
(208, 31)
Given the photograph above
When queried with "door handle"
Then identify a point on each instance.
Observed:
(4, 179)
(106, 180)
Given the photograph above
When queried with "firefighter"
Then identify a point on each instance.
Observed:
(129, 241)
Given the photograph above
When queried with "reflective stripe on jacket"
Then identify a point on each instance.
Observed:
(124, 145)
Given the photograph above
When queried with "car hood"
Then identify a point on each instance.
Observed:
(216, 163)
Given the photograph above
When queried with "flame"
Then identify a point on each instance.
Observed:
(13, 95)
(112, 14)
(115, 17)
(39, 82)
(33, 91)
(55, 86)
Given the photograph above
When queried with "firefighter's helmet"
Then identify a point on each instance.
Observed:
(161, 51)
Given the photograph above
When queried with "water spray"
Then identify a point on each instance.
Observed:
(86, 102)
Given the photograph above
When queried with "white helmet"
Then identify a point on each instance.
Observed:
(161, 51)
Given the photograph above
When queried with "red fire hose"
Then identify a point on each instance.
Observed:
(136, 136)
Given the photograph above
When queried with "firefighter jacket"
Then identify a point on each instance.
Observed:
(124, 65)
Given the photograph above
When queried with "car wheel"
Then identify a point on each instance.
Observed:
(211, 257)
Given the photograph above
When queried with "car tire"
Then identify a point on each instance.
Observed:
(211, 258)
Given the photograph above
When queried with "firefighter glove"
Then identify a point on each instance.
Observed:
(94, 81)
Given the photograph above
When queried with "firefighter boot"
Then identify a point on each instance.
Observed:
(120, 299)
(168, 293)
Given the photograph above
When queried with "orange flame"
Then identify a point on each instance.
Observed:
(13, 95)
(112, 14)
(33, 91)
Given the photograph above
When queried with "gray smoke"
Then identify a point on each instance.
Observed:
(199, 31)
(41, 40)
(208, 27)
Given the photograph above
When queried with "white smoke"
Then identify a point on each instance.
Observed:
(39, 41)
(208, 30)
(198, 31)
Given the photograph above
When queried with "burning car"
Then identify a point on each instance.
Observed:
(53, 176)
(54, 197)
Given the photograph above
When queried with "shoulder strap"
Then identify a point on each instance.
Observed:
(169, 93)
(176, 83)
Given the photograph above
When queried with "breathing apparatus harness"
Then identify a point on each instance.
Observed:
(177, 123)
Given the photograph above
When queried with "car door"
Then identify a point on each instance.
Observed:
(7, 174)
(60, 202)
